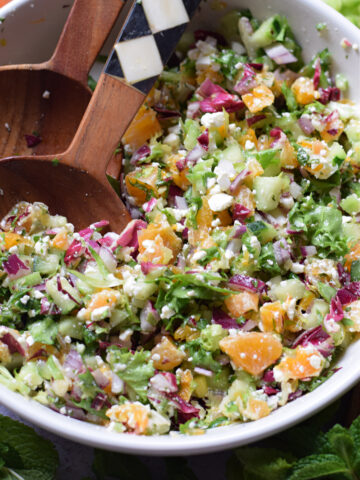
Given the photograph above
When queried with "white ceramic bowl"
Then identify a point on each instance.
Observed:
(30, 40)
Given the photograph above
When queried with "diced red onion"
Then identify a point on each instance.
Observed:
(270, 391)
(149, 313)
(344, 276)
(100, 401)
(203, 371)
(269, 377)
(329, 94)
(74, 364)
(181, 203)
(256, 66)
(166, 113)
(280, 54)
(174, 192)
(208, 88)
(15, 268)
(108, 258)
(294, 395)
(306, 125)
(193, 110)
(196, 153)
(221, 318)
(239, 231)
(247, 82)
(204, 34)
(238, 180)
(45, 306)
(73, 253)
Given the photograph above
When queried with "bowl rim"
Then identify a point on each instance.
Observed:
(221, 438)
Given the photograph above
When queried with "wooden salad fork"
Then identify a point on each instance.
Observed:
(75, 183)
(41, 105)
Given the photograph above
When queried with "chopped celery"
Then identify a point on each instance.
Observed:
(268, 191)
(192, 132)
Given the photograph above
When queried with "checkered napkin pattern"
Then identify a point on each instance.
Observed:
(148, 38)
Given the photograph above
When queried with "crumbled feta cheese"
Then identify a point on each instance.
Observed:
(167, 312)
(46, 94)
(220, 202)
(213, 120)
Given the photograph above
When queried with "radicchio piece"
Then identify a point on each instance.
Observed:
(329, 94)
(15, 268)
(100, 401)
(165, 113)
(149, 206)
(148, 267)
(140, 154)
(65, 292)
(32, 140)
(247, 81)
(164, 382)
(73, 363)
(243, 282)
(45, 306)
(281, 251)
(73, 253)
(220, 101)
(240, 212)
(186, 411)
(255, 119)
(318, 338)
(221, 318)
(174, 192)
(216, 99)
(271, 391)
(269, 377)
(344, 276)
(129, 236)
(204, 140)
(294, 395)
(12, 344)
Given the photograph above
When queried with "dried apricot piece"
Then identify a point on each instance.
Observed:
(186, 384)
(134, 416)
(166, 356)
(61, 241)
(303, 89)
(245, 197)
(103, 299)
(141, 183)
(10, 239)
(252, 351)
(304, 362)
(144, 126)
(256, 409)
(259, 98)
(241, 303)
(272, 317)
(158, 244)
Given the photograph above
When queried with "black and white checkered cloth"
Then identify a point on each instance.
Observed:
(148, 39)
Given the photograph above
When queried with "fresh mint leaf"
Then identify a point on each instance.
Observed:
(319, 466)
(265, 463)
(177, 469)
(24, 454)
(135, 369)
(108, 465)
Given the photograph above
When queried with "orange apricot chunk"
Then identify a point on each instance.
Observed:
(105, 298)
(61, 241)
(166, 356)
(303, 89)
(158, 244)
(10, 239)
(272, 317)
(141, 183)
(134, 416)
(260, 97)
(241, 303)
(305, 362)
(245, 197)
(256, 409)
(252, 351)
(144, 126)
(186, 380)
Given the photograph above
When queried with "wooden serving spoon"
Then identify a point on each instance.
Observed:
(50, 98)
(75, 184)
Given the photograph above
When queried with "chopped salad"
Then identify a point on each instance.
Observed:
(237, 283)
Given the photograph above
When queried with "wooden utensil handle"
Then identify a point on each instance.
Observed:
(110, 111)
(87, 27)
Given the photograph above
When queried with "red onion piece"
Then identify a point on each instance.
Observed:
(329, 94)
(45, 306)
(149, 206)
(108, 258)
(193, 110)
(280, 54)
(140, 154)
(281, 251)
(255, 119)
(165, 113)
(308, 251)
(203, 371)
(220, 101)
(317, 73)
(204, 140)
(247, 81)
(238, 180)
(306, 125)
(208, 88)
(221, 318)
(240, 212)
